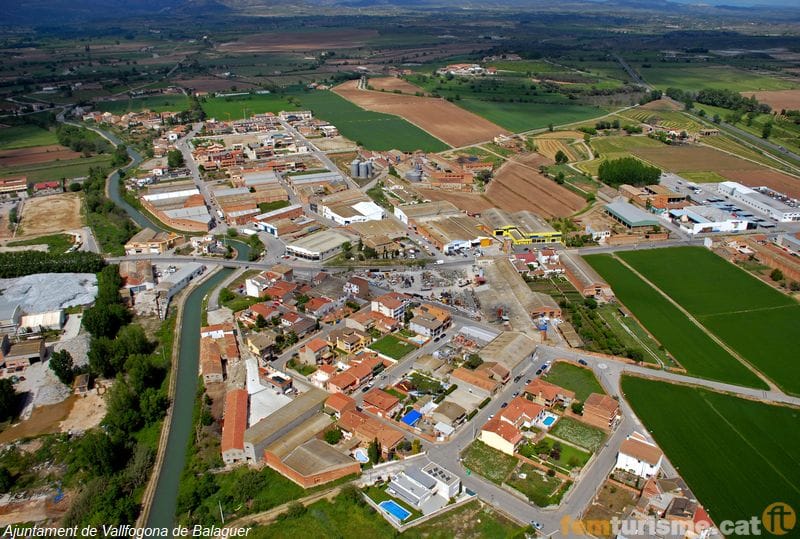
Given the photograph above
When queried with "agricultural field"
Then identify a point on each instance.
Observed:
(394, 84)
(519, 117)
(158, 103)
(25, 136)
(736, 455)
(438, 117)
(755, 308)
(667, 118)
(36, 154)
(374, 130)
(685, 341)
(579, 433)
(392, 346)
(697, 77)
(778, 99)
(575, 378)
(615, 147)
(548, 144)
(55, 170)
(238, 107)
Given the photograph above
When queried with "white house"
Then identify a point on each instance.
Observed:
(639, 456)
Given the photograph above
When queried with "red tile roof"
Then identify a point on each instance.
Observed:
(235, 420)
(507, 431)
(547, 390)
(380, 399)
(340, 402)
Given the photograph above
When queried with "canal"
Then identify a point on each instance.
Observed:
(162, 510)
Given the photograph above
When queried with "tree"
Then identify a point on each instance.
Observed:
(175, 159)
(473, 361)
(766, 131)
(8, 399)
(374, 451)
(261, 322)
(103, 320)
(62, 365)
(629, 170)
(776, 275)
(333, 436)
(577, 408)
(416, 446)
(561, 157)
(6, 481)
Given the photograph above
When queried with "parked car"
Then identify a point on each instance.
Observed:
(582, 362)
(501, 406)
(536, 524)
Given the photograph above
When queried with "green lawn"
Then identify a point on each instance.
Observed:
(25, 136)
(702, 283)
(569, 458)
(373, 130)
(539, 488)
(488, 462)
(55, 170)
(56, 243)
(265, 207)
(392, 346)
(575, 378)
(737, 455)
(156, 103)
(579, 433)
(687, 343)
(697, 77)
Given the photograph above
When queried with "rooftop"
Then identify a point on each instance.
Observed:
(630, 214)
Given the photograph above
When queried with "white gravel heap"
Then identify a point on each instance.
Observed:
(45, 292)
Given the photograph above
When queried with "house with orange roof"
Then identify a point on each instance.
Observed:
(355, 424)
(391, 304)
(339, 403)
(476, 381)
(249, 316)
(381, 403)
(281, 291)
(319, 307)
(344, 382)
(321, 376)
(548, 394)
(366, 320)
(217, 331)
(315, 351)
(234, 424)
(521, 412)
(639, 456)
(601, 411)
(348, 339)
(501, 435)
(211, 362)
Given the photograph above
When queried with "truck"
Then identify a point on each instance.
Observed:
(438, 262)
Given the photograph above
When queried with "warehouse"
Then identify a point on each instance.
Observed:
(584, 278)
(770, 203)
(707, 219)
(455, 232)
(413, 214)
(318, 246)
(630, 216)
(522, 228)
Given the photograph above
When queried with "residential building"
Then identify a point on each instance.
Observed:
(357, 287)
(233, 427)
(380, 403)
(151, 242)
(501, 435)
(418, 486)
(547, 394)
(639, 456)
(355, 424)
(262, 344)
(315, 351)
(338, 403)
(601, 411)
(449, 413)
(348, 339)
(392, 304)
(478, 382)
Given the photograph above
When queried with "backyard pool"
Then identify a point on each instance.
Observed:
(395, 510)
(361, 456)
(548, 421)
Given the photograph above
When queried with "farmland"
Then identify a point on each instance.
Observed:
(696, 78)
(778, 99)
(755, 308)
(55, 170)
(686, 342)
(25, 136)
(736, 455)
(54, 213)
(160, 103)
(238, 107)
(666, 118)
(436, 116)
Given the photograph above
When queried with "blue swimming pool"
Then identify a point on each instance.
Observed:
(361, 456)
(549, 420)
(395, 510)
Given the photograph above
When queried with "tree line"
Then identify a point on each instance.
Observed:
(21, 263)
(627, 170)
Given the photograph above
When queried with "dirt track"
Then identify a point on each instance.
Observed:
(444, 120)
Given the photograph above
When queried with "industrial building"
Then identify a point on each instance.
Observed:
(151, 242)
(412, 214)
(708, 219)
(630, 216)
(179, 205)
(768, 202)
(654, 196)
(584, 278)
(522, 227)
(454, 232)
(361, 169)
(318, 246)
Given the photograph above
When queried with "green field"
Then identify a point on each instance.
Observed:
(578, 379)
(392, 346)
(158, 103)
(25, 136)
(55, 170)
(526, 116)
(373, 130)
(709, 76)
(579, 433)
(488, 462)
(56, 243)
(244, 106)
(687, 343)
(738, 456)
(569, 458)
(758, 321)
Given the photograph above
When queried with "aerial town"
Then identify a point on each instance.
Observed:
(352, 282)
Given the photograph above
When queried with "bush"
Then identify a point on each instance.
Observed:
(483, 404)
(333, 436)
(776, 275)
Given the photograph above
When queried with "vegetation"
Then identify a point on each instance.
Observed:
(569, 376)
(393, 347)
(56, 243)
(628, 170)
(8, 399)
(265, 207)
(730, 451)
(562, 455)
(488, 462)
(20, 263)
(81, 140)
(579, 433)
(175, 159)
(111, 225)
(541, 489)
(26, 136)
(62, 365)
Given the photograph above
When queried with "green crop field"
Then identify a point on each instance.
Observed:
(55, 170)
(696, 78)
(158, 103)
(686, 342)
(737, 455)
(526, 116)
(244, 106)
(25, 136)
(758, 321)
(373, 130)
(581, 381)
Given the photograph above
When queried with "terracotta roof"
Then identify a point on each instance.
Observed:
(475, 378)
(360, 371)
(210, 357)
(637, 447)
(520, 409)
(267, 311)
(392, 300)
(602, 402)
(343, 380)
(235, 420)
(216, 327)
(380, 399)
(316, 344)
(547, 390)
(340, 402)
(315, 303)
(507, 431)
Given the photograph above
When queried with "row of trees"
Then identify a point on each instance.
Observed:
(629, 170)
(18, 264)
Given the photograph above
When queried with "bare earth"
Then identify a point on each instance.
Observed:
(440, 118)
(87, 412)
(699, 158)
(300, 41)
(50, 214)
(34, 510)
(778, 99)
(391, 84)
(36, 154)
(661, 104)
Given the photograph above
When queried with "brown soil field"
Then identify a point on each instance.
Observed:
(778, 99)
(50, 214)
(440, 118)
(44, 419)
(661, 104)
(703, 159)
(518, 185)
(550, 147)
(391, 84)
(306, 41)
(213, 85)
(469, 202)
(35, 510)
(36, 154)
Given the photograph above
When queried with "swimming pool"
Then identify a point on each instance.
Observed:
(361, 455)
(548, 421)
(395, 510)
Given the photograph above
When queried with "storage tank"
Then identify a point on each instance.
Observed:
(354, 166)
(364, 169)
